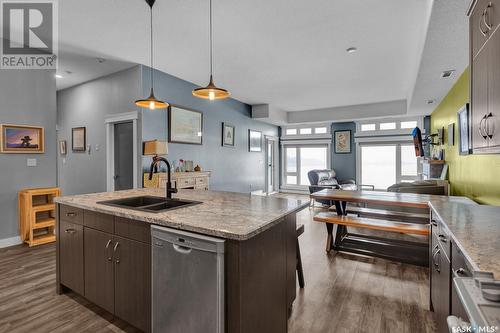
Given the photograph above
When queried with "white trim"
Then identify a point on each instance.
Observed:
(375, 139)
(276, 170)
(306, 142)
(110, 121)
(6, 242)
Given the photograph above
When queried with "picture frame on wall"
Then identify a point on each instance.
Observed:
(464, 133)
(254, 141)
(451, 134)
(342, 142)
(185, 125)
(79, 139)
(22, 139)
(228, 133)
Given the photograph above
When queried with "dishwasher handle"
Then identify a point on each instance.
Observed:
(182, 249)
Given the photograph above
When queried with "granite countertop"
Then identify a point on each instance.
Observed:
(228, 215)
(476, 231)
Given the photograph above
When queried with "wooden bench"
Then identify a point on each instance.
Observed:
(360, 222)
(384, 214)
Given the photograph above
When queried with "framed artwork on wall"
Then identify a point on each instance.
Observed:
(464, 139)
(451, 134)
(343, 142)
(254, 141)
(79, 139)
(22, 139)
(228, 132)
(185, 126)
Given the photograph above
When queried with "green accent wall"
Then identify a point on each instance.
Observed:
(473, 176)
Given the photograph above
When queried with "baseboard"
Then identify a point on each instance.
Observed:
(6, 242)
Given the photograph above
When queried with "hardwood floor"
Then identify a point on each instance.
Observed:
(343, 293)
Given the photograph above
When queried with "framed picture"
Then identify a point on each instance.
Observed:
(451, 134)
(254, 141)
(185, 126)
(22, 139)
(343, 142)
(464, 138)
(62, 147)
(79, 139)
(228, 132)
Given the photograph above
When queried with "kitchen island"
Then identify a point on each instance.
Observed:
(104, 253)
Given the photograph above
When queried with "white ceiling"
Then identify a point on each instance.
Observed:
(286, 53)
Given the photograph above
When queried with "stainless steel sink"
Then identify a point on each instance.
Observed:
(149, 203)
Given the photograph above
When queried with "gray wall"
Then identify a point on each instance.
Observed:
(87, 105)
(27, 97)
(344, 164)
(233, 169)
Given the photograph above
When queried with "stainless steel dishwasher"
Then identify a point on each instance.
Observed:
(188, 282)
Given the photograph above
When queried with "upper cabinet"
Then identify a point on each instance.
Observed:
(484, 20)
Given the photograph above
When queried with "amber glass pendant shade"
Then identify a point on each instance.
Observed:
(211, 92)
(151, 102)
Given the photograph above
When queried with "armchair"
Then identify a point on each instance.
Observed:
(327, 179)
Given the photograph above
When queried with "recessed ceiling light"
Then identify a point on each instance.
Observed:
(58, 76)
(448, 73)
(100, 60)
(430, 101)
(351, 50)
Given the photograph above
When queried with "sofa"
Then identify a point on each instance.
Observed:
(327, 179)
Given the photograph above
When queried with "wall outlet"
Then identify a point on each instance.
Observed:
(97, 147)
(31, 162)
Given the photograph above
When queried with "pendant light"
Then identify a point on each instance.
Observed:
(211, 91)
(151, 102)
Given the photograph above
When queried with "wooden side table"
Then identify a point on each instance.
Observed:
(37, 215)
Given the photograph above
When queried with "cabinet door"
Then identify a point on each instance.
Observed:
(132, 262)
(479, 98)
(493, 121)
(99, 284)
(71, 255)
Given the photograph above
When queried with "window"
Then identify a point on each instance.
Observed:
(291, 131)
(387, 126)
(368, 127)
(320, 130)
(409, 124)
(385, 164)
(305, 131)
(300, 159)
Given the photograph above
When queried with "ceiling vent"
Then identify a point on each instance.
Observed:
(447, 74)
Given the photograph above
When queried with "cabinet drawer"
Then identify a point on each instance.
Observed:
(71, 214)
(201, 180)
(136, 230)
(185, 182)
(71, 255)
(99, 221)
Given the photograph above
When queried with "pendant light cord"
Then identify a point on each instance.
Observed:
(151, 41)
(211, 41)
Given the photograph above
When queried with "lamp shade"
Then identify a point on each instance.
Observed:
(155, 147)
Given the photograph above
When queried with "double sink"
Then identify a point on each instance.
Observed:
(149, 203)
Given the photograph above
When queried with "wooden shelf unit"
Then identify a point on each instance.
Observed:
(37, 215)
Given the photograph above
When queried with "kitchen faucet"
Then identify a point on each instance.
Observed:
(154, 168)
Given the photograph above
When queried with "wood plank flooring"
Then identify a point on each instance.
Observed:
(343, 293)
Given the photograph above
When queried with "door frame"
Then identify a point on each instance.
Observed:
(110, 121)
(276, 171)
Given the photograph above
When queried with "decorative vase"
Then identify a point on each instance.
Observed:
(197, 168)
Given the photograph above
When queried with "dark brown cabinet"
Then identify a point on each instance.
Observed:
(99, 271)
(132, 280)
(71, 256)
(485, 75)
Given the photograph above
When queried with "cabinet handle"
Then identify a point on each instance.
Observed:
(443, 238)
(487, 125)
(481, 21)
(107, 246)
(70, 231)
(70, 214)
(434, 223)
(487, 14)
(485, 136)
(436, 265)
(460, 271)
(117, 260)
